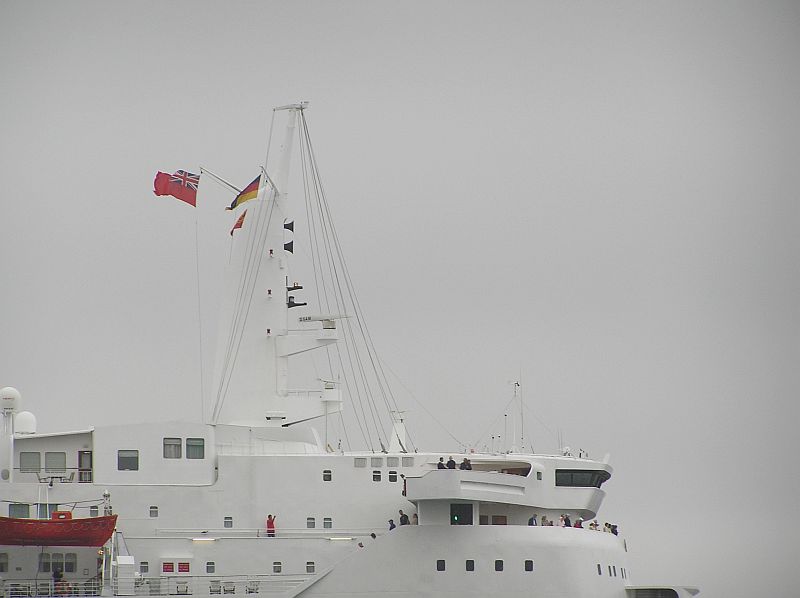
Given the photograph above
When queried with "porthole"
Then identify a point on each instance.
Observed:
(528, 565)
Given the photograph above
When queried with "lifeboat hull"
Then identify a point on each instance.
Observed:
(91, 531)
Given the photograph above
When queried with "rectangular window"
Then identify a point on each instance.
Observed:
(44, 562)
(55, 462)
(392, 476)
(195, 448)
(408, 461)
(376, 475)
(311, 523)
(94, 511)
(45, 510)
(30, 462)
(19, 510)
(211, 567)
(326, 475)
(327, 523)
(470, 565)
(539, 475)
(440, 565)
(614, 568)
(3, 562)
(499, 520)
(227, 522)
(168, 567)
(529, 565)
(154, 511)
(599, 569)
(70, 562)
(392, 461)
(144, 567)
(376, 462)
(277, 567)
(128, 460)
(57, 561)
(310, 567)
(183, 568)
(498, 565)
(609, 570)
(172, 448)
(360, 462)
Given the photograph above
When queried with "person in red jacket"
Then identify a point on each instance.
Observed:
(271, 525)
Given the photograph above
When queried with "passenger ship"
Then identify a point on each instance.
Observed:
(191, 497)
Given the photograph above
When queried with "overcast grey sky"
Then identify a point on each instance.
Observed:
(599, 197)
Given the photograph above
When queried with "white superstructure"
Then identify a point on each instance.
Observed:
(192, 497)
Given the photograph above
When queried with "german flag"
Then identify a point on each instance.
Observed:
(248, 193)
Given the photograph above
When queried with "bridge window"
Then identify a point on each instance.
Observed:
(128, 460)
(392, 462)
(360, 462)
(376, 462)
(440, 565)
(30, 462)
(172, 448)
(470, 565)
(408, 461)
(195, 448)
(578, 478)
(55, 462)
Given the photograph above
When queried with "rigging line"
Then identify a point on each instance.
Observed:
(325, 226)
(258, 240)
(259, 251)
(489, 427)
(324, 251)
(356, 389)
(421, 404)
(235, 314)
(381, 379)
(246, 275)
(344, 429)
(359, 319)
(336, 281)
(318, 278)
(199, 318)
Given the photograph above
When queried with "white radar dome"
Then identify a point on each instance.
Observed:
(25, 423)
(9, 398)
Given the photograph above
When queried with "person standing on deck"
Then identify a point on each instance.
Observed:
(271, 525)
